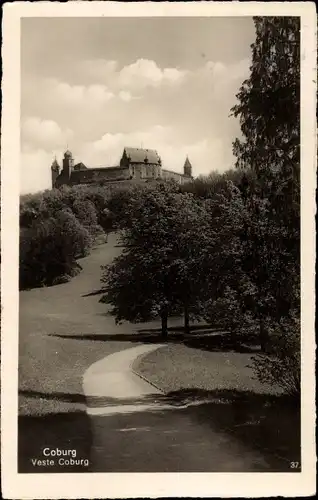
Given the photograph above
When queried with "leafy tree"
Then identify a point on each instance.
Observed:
(269, 102)
(208, 186)
(52, 202)
(269, 112)
(49, 248)
(120, 203)
(85, 212)
(228, 312)
(73, 239)
(229, 286)
(163, 267)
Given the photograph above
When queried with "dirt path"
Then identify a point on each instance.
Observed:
(112, 378)
(135, 430)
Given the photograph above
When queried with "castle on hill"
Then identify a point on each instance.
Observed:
(135, 164)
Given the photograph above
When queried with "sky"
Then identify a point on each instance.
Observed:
(96, 85)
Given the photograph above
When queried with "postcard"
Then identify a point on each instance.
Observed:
(158, 174)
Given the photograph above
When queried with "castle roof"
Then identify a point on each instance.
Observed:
(80, 166)
(68, 154)
(55, 163)
(138, 155)
(187, 163)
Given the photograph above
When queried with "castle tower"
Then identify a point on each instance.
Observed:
(68, 164)
(55, 171)
(187, 168)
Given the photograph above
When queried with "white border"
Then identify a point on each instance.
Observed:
(119, 485)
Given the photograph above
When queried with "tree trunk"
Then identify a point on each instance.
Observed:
(164, 324)
(186, 320)
(263, 336)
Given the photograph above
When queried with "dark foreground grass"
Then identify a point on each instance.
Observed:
(63, 431)
(259, 416)
(171, 440)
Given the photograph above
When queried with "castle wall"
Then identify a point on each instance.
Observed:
(180, 178)
(92, 175)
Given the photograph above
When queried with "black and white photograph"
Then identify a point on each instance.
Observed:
(160, 247)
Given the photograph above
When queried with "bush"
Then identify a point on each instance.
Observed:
(59, 280)
(49, 248)
(227, 312)
(118, 212)
(85, 213)
(282, 366)
(76, 269)
(72, 239)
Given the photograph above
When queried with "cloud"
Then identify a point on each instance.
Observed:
(35, 172)
(91, 95)
(124, 95)
(137, 75)
(144, 72)
(109, 147)
(44, 133)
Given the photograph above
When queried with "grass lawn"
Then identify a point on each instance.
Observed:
(235, 402)
(177, 366)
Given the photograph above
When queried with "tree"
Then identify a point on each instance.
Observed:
(133, 289)
(120, 202)
(229, 287)
(163, 268)
(269, 102)
(49, 248)
(208, 186)
(227, 311)
(269, 113)
(85, 212)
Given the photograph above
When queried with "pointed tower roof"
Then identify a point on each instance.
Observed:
(187, 162)
(55, 163)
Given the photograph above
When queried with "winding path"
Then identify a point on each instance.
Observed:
(111, 386)
(135, 430)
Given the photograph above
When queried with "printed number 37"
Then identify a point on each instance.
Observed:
(294, 465)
